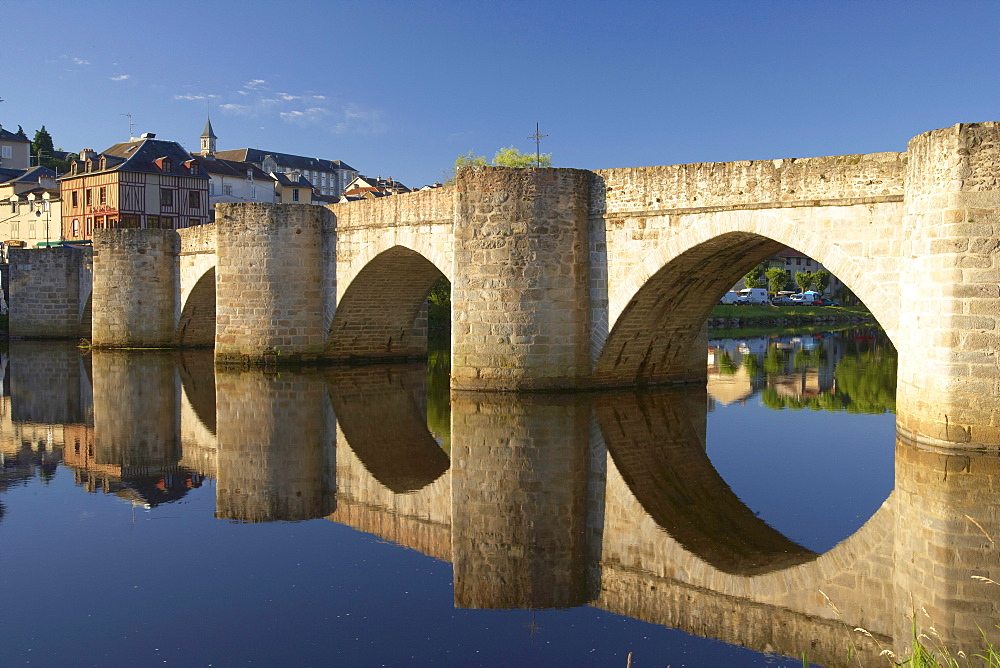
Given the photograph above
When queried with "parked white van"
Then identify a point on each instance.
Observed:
(754, 296)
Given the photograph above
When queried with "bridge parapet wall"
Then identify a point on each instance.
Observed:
(748, 184)
(421, 221)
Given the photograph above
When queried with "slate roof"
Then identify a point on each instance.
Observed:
(285, 180)
(139, 156)
(284, 160)
(215, 166)
(207, 132)
(7, 135)
(31, 175)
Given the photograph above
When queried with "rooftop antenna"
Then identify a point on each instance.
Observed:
(130, 124)
(538, 140)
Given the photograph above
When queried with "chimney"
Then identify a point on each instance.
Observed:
(87, 154)
(147, 135)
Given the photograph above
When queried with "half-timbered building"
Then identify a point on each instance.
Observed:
(145, 183)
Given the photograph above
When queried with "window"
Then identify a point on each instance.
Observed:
(102, 195)
(166, 197)
(88, 199)
(90, 225)
(13, 206)
(194, 199)
(130, 221)
(76, 227)
(76, 198)
(295, 194)
(166, 223)
(15, 229)
(152, 222)
(193, 221)
(798, 261)
(227, 189)
(211, 188)
(8, 152)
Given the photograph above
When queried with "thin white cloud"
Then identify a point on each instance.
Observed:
(80, 61)
(120, 77)
(308, 116)
(306, 109)
(197, 96)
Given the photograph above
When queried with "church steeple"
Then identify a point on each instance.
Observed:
(208, 139)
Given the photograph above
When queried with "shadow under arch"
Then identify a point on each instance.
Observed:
(196, 327)
(378, 316)
(655, 339)
(657, 442)
(382, 412)
(87, 318)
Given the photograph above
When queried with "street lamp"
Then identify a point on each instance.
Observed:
(38, 212)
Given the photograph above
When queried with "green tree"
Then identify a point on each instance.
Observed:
(470, 160)
(803, 279)
(505, 157)
(41, 145)
(821, 279)
(511, 157)
(777, 278)
(754, 277)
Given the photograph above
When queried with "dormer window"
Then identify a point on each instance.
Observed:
(104, 162)
(73, 167)
(164, 164)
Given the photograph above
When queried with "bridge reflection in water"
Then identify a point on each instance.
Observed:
(546, 500)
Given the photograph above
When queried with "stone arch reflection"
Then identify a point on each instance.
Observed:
(657, 442)
(382, 412)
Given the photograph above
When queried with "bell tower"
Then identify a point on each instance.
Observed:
(208, 139)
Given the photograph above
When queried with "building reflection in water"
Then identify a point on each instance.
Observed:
(546, 500)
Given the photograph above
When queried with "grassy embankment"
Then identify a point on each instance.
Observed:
(801, 319)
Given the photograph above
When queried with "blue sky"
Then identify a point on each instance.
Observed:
(401, 88)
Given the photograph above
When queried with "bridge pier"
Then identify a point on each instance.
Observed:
(948, 340)
(136, 288)
(270, 287)
(48, 292)
(520, 294)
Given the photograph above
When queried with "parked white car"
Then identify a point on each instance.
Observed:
(730, 297)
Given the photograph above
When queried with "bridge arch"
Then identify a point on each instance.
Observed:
(378, 314)
(657, 311)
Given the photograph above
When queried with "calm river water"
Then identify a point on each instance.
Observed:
(155, 510)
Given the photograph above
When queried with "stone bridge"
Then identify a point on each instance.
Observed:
(570, 279)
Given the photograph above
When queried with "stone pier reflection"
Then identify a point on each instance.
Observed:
(519, 483)
(276, 446)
